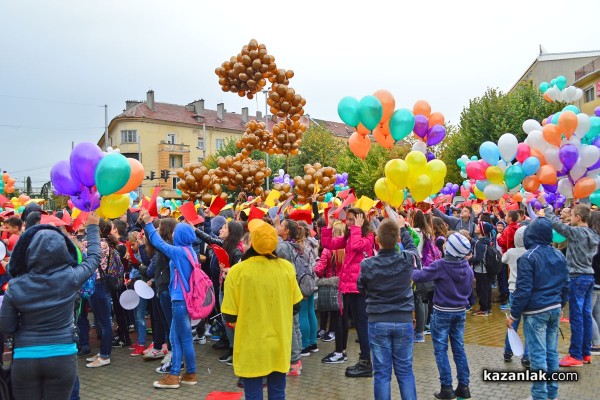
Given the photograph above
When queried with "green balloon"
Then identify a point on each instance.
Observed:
(402, 123)
(513, 176)
(571, 107)
(348, 111)
(557, 237)
(561, 82)
(594, 126)
(595, 198)
(112, 173)
(544, 86)
(370, 111)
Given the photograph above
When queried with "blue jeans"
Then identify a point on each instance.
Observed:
(308, 321)
(515, 326)
(451, 325)
(140, 320)
(100, 303)
(181, 339)
(541, 336)
(253, 389)
(83, 326)
(580, 315)
(75, 392)
(392, 342)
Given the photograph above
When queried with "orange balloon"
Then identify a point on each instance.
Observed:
(11, 181)
(546, 175)
(538, 154)
(436, 118)
(530, 184)
(547, 98)
(544, 122)
(567, 122)
(422, 107)
(5, 177)
(382, 136)
(135, 177)
(388, 103)
(362, 130)
(359, 145)
(584, 187)
(518, 197)
(552, 134)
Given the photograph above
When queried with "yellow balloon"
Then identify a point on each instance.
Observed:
(417, 162)
(436, 169)
(478, 193)
(397, 172)
(436, 186)
(494, 175)
(381, 190)
(114, 205)
(421, 189)
(386, 191)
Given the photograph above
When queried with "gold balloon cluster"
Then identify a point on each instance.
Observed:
(239, 173)
(246, 74)
(305, 186)
(195, 182)
(256, 137)
(287, 137)
(283, 100)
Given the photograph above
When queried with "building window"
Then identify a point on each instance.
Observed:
(200, 143)
(219, 144)
(175, 161)
(129, 136)
(200, 159)
(175, 180)
(588, 95)
(171, 138)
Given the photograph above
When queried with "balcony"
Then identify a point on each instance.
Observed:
(587, 69)
(173, 148)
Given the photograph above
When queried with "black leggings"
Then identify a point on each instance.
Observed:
(483, 286)
(49, 378)
(121, 317)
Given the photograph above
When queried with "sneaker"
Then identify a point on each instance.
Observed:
(93, 358)
(427, 331)
(569, 361)
(131, 328)
(313, 348)
(221, 345)
(329, 336)
(149, 348)
(321, 334)
(564, 319)
(227, 356)
(587, 359)
(118, 343)
(334, 358)
(345, 355)
(229, 362)
(139, 351)
(305, 352)
(154, 355)
(168, 382)
(240, 383)
(188, 379)
(83, 353)
(132, 346)
(164, 369)
(201, 340)
(167, 358)
(595, 350)
(98, 362)
(505, 306)
(469, 307)
(508, 356)
(295, 369)
(215, 338)
(525, 362)
(482, 313)
(207, 330)
(419, 338)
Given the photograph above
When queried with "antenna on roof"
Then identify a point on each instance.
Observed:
(543, 50)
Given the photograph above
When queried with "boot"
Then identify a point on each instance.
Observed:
(445, 394)
(168, 382)
(462, 392)
(188, 379)
(363, 368)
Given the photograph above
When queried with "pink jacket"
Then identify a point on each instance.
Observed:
(325, 267)
(357, 249)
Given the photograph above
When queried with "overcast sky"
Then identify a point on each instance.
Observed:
(61, 61)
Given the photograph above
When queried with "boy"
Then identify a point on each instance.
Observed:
(385, 280)
(13, 227)
(453, 283)
(541, 291)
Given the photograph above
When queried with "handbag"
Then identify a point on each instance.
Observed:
(327, 292)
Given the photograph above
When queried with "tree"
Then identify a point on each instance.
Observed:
(28, 186)
(489, 117)
(318, 145)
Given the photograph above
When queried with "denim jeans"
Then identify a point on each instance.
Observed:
(140, 321)
(580, 315)
(392, 344)
(181, 339)
(253, 387)
(75, 391)
(83, 326)
(596, 318)
(451, 325)
(515, 326)
(43, 378)
(308, 321)
(100, 303)
(541, 336)
(296, 340)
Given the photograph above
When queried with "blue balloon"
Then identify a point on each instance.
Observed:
(133, 196)
(401, 123)
(481, 184)
(489, 152)
(530, 166)
(571, 107)
(348, 111)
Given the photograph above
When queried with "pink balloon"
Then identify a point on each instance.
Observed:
(475, 170)
(523, 152)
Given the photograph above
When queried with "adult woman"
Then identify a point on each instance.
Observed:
(308, 318)
(595, 225)
(38, 309)
(358, 243)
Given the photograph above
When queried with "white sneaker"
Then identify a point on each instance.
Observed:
(154, 354)
(167, 358)
(93, 358)
(99, 362)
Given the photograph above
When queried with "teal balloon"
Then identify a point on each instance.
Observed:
(178, 192)
(594, 126)
(402, 123)
(555, 118)
(513, 176)
(370, 112)
(112, 173)
(461, 163)
(561, 82)
(474, 158)
(544, 86)
(489, 152)
(530, 166)
(553, 82)
(557, 237)
(328, 197)
(20, 210)
(482, 184)
(595, 198)
(571, 107)
(348, 111)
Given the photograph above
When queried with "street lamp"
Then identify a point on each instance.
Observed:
(266, 92)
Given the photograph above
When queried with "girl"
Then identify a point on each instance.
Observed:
(308, 317)
(483, 284)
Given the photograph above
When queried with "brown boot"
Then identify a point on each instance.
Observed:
(188, 379)
(168, 382)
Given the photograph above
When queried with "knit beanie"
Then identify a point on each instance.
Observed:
(486, 228)
(457, 246)
(216, 224)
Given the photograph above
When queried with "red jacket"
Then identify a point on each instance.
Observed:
(507, 239)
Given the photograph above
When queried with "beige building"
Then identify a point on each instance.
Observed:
(588, 79)
(164, 136)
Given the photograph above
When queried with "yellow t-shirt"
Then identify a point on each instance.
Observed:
(262, 293)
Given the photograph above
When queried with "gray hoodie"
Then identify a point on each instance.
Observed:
(512, 255)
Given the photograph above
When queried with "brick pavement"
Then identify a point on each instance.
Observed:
(131, 378)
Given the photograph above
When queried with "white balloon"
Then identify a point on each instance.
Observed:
(553, 159)
(503, 165)
(597, 180)
(281, 172)
(507, 145)
(143, 290)
(578, 170)
(129, 299)
(515, 190)
(463, 175)
(583, 125)
(535, 140)
(569, 93)
(565, 188)
(553, 93)
(589, 155)
(467, 185)
(531, 125)
(494, 192)
(420, 146)
(578, 94)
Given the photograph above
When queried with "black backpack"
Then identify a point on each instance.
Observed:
(492, 260)
(304, 274)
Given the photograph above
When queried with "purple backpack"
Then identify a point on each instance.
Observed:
(430, 252)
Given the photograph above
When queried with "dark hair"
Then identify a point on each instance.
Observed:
(150, 249)
(14, 221)
(485, 217)
(388, 234)
(106, 227)
(166, 228)
(121, 227)
(253, 253)
(419, 221)
(513, 215)
(439, 227)
(366, 226)
(234, 237)
(583, 211)
(469, 208)
(293, 228)
(594, 221)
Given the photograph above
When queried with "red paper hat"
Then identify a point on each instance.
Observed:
(255, 213)
(189, 213)
(301, 215)
(51, 219)
(349, 200)
(217, 205)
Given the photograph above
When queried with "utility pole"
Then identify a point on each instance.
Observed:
(106, 127)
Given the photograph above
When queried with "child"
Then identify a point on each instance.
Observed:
(482, 277)
(453, 282)
(385, 280)
(13, 227)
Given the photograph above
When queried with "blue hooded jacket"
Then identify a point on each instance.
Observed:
(543, 278)
(183, 236)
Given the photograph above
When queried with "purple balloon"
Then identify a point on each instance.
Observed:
(63, 181)
(430, 156)
(455, 188)
(595, 166)
(597, 111)
(596, 141)
(84, 160)
(87, 200)
(550, 188)
(549, 119)
(436, 134)
(560, 201)
(421, 125)
(568, 156)
(550, 197)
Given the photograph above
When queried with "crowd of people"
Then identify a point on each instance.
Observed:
(396, 275)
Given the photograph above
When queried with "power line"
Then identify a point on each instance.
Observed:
(51, 100)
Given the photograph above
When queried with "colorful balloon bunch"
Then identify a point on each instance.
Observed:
(450, 189)
(341, 182)
(429, 127)
(7, 185)
(282, 178)
(317, 179)
(557, 90)
(97, 181)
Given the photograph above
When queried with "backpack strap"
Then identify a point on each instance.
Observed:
(178, 276)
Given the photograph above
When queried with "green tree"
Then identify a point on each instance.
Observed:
(318, 145)
(28, 186)
(489, 117)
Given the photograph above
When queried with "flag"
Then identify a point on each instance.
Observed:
(152, 209)
(217, 205)
(255, 213)
(190, 214)
(272, 198)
